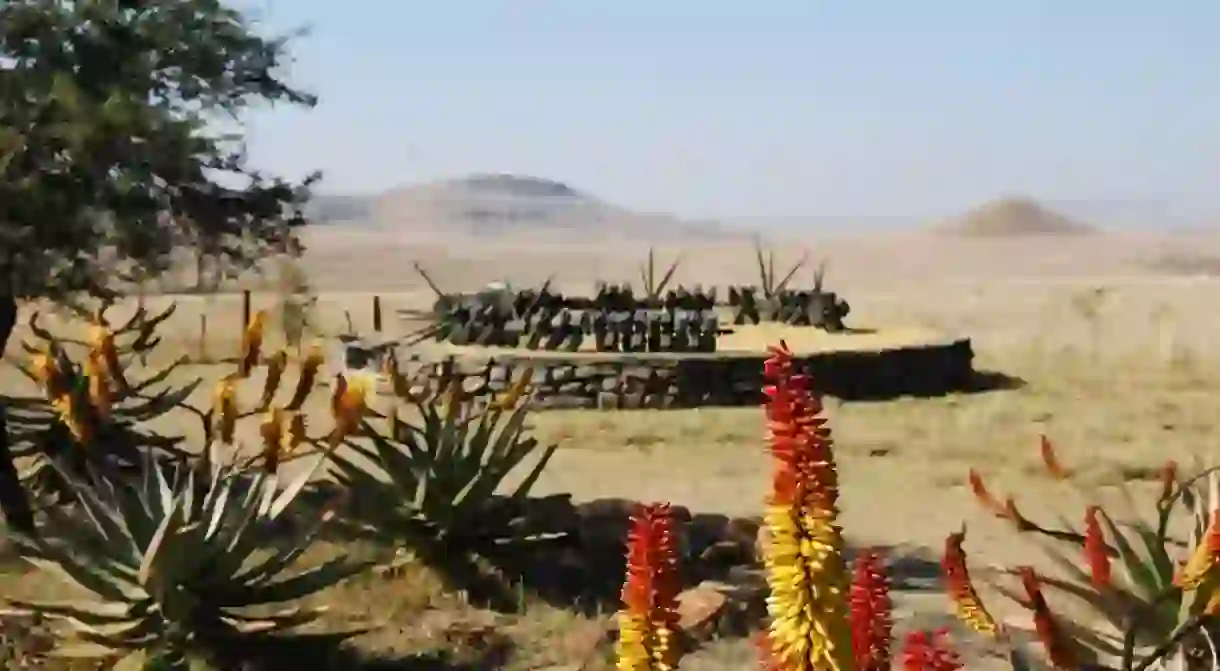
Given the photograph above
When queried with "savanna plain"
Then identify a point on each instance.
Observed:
(1114, 360)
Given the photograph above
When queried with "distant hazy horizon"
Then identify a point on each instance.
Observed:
(769, 111)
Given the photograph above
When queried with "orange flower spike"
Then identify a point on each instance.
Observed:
(984, 496)
(925, 651)
(810, 624)
(1169, 479)
(1096, 552)
(272, 430)
(45, 370)
(309, 376)
(968, 605)
(1058, 647)
(649, 619)
(99, 386)
(348, 406)
(224, 408)
(871, 613)
(1203, 561)
(252, 343)
(1051, 460)
(101, 343)
(276, 363)
(294, 436)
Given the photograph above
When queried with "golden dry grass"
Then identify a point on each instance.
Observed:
(1122, 379)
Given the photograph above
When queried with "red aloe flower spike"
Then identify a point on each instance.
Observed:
(649, 617)
(984, 496)
(1096, 552)
(1058, 646)
(1051, 461)
(871, 614)
(966, 601)
(927, 651)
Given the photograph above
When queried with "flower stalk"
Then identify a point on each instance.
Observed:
(871, 613)
(809, 627)
(649, 620)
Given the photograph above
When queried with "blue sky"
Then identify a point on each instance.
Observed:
(767, 108)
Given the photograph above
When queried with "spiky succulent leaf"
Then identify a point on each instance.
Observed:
(167, 559)
(442, 473)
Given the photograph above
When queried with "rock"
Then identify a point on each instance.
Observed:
(722, 555)
(700, 610)
(604, 522)
(743, 530)
(706, 530)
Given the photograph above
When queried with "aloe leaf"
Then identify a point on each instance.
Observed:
(73, 571)
(136, 660)
(83, 650)
(523, 489)
(164, 529)
(298, 586)
(284, 553)
(271, 624)
(86, 612)
(294, 487)
(1141, 574)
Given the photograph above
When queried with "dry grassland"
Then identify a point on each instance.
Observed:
(1121, 369)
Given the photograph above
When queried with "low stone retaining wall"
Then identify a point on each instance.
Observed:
(624, 381)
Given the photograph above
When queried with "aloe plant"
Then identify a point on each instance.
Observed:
(1140, 615)
(95, 401)
(174, 563)
(432, 487)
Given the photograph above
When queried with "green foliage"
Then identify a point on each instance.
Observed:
(107, 118)
(440, 500)
(175, 562)
(108, 144)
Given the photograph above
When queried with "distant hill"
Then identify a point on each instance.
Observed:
(1012, 217)
(335, 209)
(504, 205)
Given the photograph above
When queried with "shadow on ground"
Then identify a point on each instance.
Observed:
(573, 557)
(979, 382)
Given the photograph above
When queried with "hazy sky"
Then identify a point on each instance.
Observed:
(767, 108)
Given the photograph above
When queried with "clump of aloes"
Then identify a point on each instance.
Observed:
(648, 622)
(1147, 612)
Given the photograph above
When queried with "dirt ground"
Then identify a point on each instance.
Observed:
(1119, 367)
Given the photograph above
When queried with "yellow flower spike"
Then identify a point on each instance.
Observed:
(73, 417)
(272, 431)
(512, 397)
(46, 372)
(309, 376)
(294, 436)
(224, 407)
(252, 343)
(806, 572)
(99, 385)
(101, 343)
(276, 363)
(348, 404)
